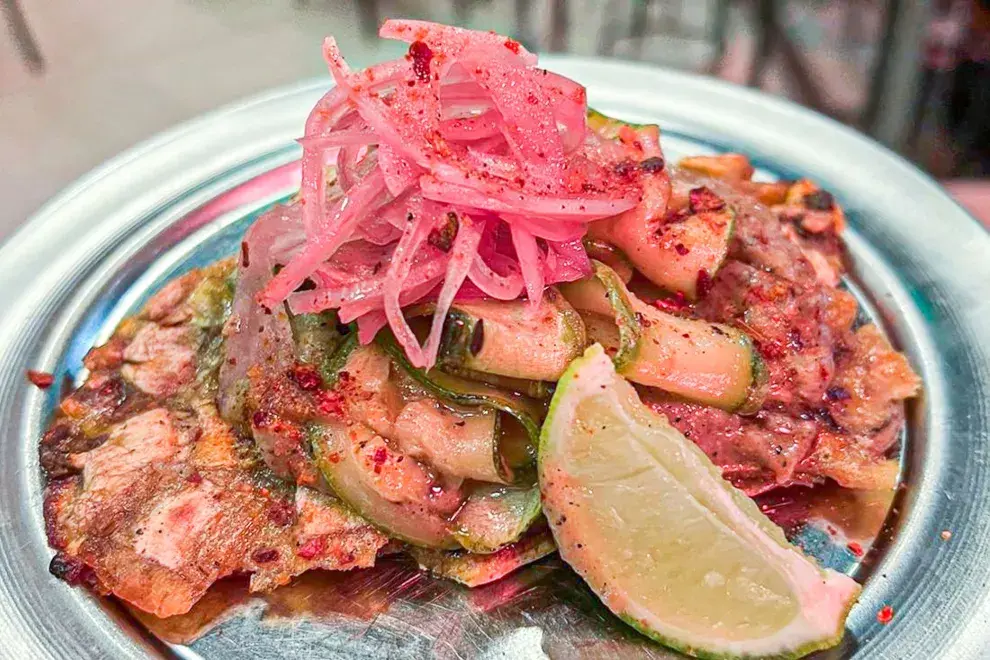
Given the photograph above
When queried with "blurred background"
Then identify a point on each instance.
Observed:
(81, 80)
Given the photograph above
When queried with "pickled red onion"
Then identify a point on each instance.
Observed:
(464, 127)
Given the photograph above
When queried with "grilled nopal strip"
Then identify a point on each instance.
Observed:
(513, 339)
(520, 416)
(474, 570)
(700, 361)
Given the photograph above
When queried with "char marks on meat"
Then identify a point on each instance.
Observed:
(834, 406)
(151, 496)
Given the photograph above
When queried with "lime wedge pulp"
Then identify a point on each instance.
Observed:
(668, 545)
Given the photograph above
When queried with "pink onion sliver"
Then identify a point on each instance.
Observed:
(570, 262)
(494, 164)
(419, 276)
(396, 212)
(500, 287)
(347, 160)
(372, 322)
(466, 90)
(453, 110)
(451, 41)
(378, 232)
(530, 128)
(551, 230)
(399, 173)
(328, 110)
(317, 300)
(286, 246)
(462, 254)
(469, 291)
(335, 61)
(395, 280)
(569, 108)
(530, 263)
(372, 112)
(472, 128)
(574, 252)
(352, 208)
(510, 201)
(410, 296)
(369, 325)
(338, 139)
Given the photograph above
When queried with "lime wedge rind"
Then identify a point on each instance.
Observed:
(822, 597)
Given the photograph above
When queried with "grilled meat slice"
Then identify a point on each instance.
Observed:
(152, 497)
(789, 325)
(834, 406)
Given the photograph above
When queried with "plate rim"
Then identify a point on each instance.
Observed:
(75, 194)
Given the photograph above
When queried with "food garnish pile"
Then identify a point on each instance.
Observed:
(494, 324)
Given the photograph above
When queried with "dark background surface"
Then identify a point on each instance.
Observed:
(81, 81)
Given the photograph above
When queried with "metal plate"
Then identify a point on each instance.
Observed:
(90, 256)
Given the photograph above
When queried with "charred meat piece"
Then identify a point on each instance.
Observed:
(812, 220)
(758, 239)
(870, 383)
(755, 453)
(835, 395)
(152, 497)
(791, 326)
(770, 450)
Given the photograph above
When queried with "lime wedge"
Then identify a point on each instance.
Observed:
(668, 545)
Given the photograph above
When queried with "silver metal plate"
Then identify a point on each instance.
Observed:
(94, 253)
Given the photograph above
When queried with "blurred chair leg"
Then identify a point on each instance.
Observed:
(719, 31)
(972, 136)
(763, 20)
(461, 11)
(26, 44)
(897, 88)
(608, 35)
(881, 64)
(523, 34)
(919, 111)
(559, 25)
(640, 23)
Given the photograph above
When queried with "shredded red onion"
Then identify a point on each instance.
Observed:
(463, 171)
(530, 262)
(462, 254)
(395, 279)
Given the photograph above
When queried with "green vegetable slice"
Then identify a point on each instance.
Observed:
(689, 248)
(710, 363)
(210, 304)
(461, 443)
(534, 389)
(522, 416)
(611, 256)
(495, 516)
(608, 127)
(605, 295)
(678, 250)
(315, 336)
(334, 361)
(474, 570)
(347, 456)
(509, 338)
